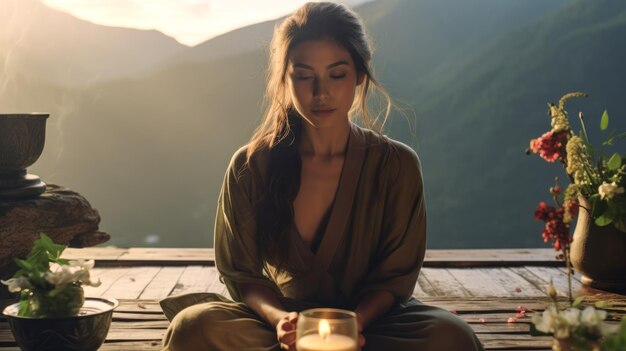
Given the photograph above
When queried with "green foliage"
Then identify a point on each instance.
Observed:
(614, 162)
(42, 298)
(616, 342)
(578, 302)
(604, 121)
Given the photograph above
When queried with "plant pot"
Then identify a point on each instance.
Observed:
(83, 332)
(598, 253)
(22, 137)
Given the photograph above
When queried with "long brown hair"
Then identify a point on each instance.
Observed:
(279, 130)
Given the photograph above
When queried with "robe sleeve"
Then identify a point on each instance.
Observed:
(236, 252)
(402, 245)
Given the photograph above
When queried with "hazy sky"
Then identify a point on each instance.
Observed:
(189, 21)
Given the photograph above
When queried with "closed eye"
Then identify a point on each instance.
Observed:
(339, 76)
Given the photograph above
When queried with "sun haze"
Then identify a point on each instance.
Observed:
(189, 21)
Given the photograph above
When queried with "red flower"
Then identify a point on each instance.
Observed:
(544, 212)
(550, 146)
(556, 230)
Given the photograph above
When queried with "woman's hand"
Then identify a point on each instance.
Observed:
(359, 324)
(286, 331)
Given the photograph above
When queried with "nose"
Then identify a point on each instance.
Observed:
(320, 89)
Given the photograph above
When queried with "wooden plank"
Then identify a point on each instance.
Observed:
(444, 282)
(163, 283)
(108, 278)
(138, 316)
(478, 283)
(132, 284)
(425, 286)
(418, 290)
(138, 306)
(488, 304)
(130, 346)
(206, 256)
(193, 279)
(514, 283)
(136, 334)
(559, 279)
(490, 257)
(94, 253)
(514, 341)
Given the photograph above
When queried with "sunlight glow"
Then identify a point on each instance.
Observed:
(188, 21)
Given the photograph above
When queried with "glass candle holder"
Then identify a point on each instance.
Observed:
(326, 329)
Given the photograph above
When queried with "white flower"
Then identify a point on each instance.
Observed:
(609, 190)
(75, 272)
(545, 322)
(17, 284)
(572, 316)
(592, 317)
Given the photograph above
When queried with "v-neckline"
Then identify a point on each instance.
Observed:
(341, 206)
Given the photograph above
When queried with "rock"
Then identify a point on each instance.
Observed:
(62, 214)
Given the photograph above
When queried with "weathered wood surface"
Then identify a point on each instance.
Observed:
(109, 256)
(485, 296)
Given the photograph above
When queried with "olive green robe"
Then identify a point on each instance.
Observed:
(374, 239)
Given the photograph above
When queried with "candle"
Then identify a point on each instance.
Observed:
(325, 341)
(332, 342)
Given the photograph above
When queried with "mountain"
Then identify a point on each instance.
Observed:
(41, 42)
(237, 42)
(482, 111)
(150, 151)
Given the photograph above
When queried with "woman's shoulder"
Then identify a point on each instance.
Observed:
(397, 154)
(243, 165)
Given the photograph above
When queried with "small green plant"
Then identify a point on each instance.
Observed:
(49, 285)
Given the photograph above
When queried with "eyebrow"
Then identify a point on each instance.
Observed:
(332, 65)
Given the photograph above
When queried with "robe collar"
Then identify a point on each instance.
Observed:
(344, 199)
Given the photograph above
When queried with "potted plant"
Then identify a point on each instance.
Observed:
(52, 312)
(595, 193)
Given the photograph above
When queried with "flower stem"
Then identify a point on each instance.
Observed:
(582, 123)
(569, 274)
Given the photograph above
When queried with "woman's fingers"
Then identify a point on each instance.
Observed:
(361, 341)
(286, 331)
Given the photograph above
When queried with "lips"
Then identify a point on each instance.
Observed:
(322, 111)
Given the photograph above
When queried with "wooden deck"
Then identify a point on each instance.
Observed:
(483, 287)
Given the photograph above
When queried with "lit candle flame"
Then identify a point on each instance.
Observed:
(324, 329)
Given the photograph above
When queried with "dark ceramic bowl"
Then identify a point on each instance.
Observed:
(84, 332)
(22, 137)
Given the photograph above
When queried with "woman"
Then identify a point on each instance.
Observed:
(318, 212)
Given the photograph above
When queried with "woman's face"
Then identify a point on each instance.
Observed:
(322, 82)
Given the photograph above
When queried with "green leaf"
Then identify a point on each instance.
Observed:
(604, 121)
(602, 304)
(603, 220)
(614, 138)
(599, 208)
(579, 300)
(614, 162)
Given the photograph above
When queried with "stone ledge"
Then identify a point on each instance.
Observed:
(62, 214)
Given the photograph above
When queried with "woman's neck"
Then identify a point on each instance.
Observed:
(326, 142)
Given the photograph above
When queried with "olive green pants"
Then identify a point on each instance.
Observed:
(225, 325)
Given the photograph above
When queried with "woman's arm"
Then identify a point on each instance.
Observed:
(372, 306)
(264, 302)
